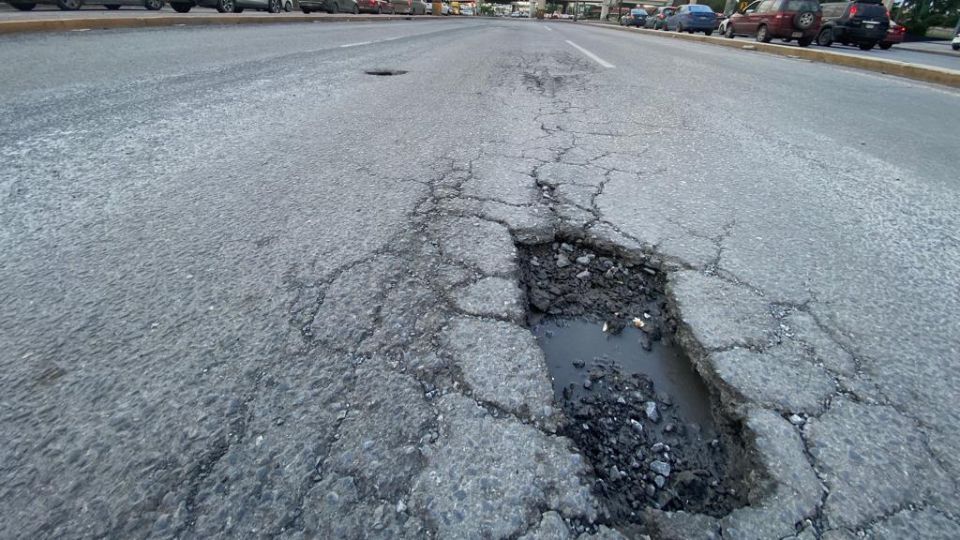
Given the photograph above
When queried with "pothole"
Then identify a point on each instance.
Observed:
(384, 72)
(634, 405)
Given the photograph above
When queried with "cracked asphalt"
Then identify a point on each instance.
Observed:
(248, 291)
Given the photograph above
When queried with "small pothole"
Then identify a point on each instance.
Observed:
(634, 405)
(384, 72)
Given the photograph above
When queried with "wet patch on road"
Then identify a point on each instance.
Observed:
(384, 72)
(633, 404)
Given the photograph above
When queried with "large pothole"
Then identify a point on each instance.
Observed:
(634, 405)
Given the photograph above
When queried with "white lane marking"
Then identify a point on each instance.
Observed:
(357, 44)
(547, 28)
(590, 55)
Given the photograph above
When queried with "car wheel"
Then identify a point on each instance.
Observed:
(180, 7)
(24, 7)
(305, 11)
(273, 6)
(112, 7)
(885, 45)
(805, 41)
(729, 33)
(707, 32)
(866, 46)
(153, 5)
(825, 37)
(955, 46)
(763, 35)
(804, 20)
(69, 5)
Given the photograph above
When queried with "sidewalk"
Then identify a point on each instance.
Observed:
(934, 47)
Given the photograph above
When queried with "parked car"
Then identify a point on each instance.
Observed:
(895, 34)
(720, 19)
(784, 19)
(70, 5)
(420, 7)
(658, 20)
(330, 6)
(862, 22)
(636, 17)
(693, 18)
(229, 6)
(466, 11)
(374, 6)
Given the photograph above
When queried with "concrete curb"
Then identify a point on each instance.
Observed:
(929, 74)
(91, 23)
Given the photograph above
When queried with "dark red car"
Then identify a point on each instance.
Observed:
(895, 34)
(784, 19)
(374, 6)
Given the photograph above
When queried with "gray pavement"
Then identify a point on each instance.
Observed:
(249, 291)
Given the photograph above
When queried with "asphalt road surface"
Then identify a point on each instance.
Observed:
(248, 290)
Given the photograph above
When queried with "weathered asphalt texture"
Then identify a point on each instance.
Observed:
(247, 290)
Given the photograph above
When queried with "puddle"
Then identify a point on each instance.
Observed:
(633, 404)
(569, 342)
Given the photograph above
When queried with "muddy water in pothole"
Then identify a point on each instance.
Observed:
(633, 404)
(573, 347)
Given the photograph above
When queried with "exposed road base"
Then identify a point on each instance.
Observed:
(927, 74)
(99, 23)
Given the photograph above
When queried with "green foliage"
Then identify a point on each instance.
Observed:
(920, 15)
(935, 19)
(915, 28)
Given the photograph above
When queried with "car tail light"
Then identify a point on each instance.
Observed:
(853, 10)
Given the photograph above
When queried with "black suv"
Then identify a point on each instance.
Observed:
(861, 22)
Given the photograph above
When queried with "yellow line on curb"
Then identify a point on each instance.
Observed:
(929, 74)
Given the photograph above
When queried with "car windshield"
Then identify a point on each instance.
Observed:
(700, 8)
